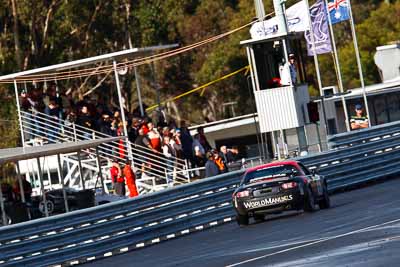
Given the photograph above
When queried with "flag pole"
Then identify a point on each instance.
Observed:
(316, 61)
(339, 74)
(353, 31)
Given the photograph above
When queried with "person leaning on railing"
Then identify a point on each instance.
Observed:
(53, 111)
(169, 152)
(211, 168)
(219, 161)
(359, 121)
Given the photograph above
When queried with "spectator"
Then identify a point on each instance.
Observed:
(169, 152)
(26, 102)
(37, 98)
(198, 151)
(203, 139)
(52, 128)
(67, 102)
(27, 188)
(187, 144)
(227, 155)
(233, 154)
(117, 116)
(211, 167)
(144, 125)
(154, 136)
(115, 171)
(292, 69)
(130, 179)
(219, 162)
(85, 120)
(105, 124)
(133, 131)
(142, 143)
(166, 131)
(71, 118)
(178, 143)
(117, 179)
(26, 106)
(121, 142)
(274, 83)
(51, 95)
(359, 121)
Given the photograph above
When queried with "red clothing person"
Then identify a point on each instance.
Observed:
(130, 180)
(154, 136)
(114, 172)
(117, 179)
(121, 145)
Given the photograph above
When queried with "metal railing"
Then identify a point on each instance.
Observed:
(50, 129)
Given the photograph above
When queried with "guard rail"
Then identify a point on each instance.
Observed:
(362, 136)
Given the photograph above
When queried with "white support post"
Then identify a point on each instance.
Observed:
(46, 211)
(316, 59)
(339, 73)
(121, 106)
(353, 31)
(74, 129)
(21, 186)
(19, 113)
(314, 50)
(138, 91)
(251, 67)
(59, 169)
(3, 211)
(254, 67)
(80, 170)
(100, 171)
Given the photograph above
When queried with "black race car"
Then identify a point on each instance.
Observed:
(278, 187)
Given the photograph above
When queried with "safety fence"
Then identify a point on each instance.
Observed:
(114, 228)
(36, 125)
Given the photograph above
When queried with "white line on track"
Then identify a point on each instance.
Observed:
(313, 243)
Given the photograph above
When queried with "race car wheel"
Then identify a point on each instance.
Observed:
(309, 200)
(325, 202)
(259, 217)
(242, 219)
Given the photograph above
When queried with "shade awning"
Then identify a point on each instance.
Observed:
(23, 153)
(87, 61)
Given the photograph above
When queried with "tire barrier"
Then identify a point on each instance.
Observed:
(118, 227)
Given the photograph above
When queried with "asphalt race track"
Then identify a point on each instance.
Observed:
(361, 229)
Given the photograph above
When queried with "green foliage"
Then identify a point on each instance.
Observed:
(377, 24)
(55, 31)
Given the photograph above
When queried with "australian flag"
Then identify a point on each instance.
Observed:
(338, 10)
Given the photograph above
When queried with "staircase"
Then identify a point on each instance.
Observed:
(39, 128)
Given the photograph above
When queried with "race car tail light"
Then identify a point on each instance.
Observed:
(243, 194)
(289, 185)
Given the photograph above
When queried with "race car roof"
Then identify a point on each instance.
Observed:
(273, 164)
(22, 153)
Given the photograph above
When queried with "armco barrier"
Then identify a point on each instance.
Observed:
(119, 227)
(46, 241)
(361, 136)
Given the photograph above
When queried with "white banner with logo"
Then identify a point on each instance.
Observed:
(297, 20)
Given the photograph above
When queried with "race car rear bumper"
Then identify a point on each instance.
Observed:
(288, 200)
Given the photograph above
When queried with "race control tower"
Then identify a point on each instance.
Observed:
(278, 74)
